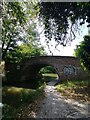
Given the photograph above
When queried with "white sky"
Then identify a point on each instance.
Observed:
(64, 51)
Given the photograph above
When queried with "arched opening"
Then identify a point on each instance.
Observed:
(48, 73)
(40, 72)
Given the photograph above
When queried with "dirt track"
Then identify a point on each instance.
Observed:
(56, 106)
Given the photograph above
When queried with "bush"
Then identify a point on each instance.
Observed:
(15, 99)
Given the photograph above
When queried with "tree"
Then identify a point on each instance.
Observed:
(13, 18)
(83, 52)
(47, 69)
(17, 25)
(62, 20)
(24, 52)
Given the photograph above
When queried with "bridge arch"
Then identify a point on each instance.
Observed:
(62, 65)
(32, 70)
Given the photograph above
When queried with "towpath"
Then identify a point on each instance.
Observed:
(56, 106)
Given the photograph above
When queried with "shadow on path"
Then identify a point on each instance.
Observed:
(56, 106)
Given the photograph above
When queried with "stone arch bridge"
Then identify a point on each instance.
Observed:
(66, 67)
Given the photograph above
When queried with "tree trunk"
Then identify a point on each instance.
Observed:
(4, 51)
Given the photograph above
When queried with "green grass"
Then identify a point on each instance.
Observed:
(15, 99)
(49, 76)
(73, 84)
(75, 89)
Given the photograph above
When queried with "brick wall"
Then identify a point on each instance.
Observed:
(65, 66)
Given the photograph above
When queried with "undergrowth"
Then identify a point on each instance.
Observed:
(15, 99)
(77, 89)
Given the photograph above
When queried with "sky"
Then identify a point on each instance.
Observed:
(64, 51)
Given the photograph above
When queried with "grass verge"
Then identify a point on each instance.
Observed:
(76, 89)
(15, 99)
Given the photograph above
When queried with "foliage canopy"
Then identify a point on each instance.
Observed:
(17, 25)
(83, 52)
(24, 52)
(62, 19)
(13, 18)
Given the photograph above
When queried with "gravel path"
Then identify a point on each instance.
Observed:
(56, 106)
